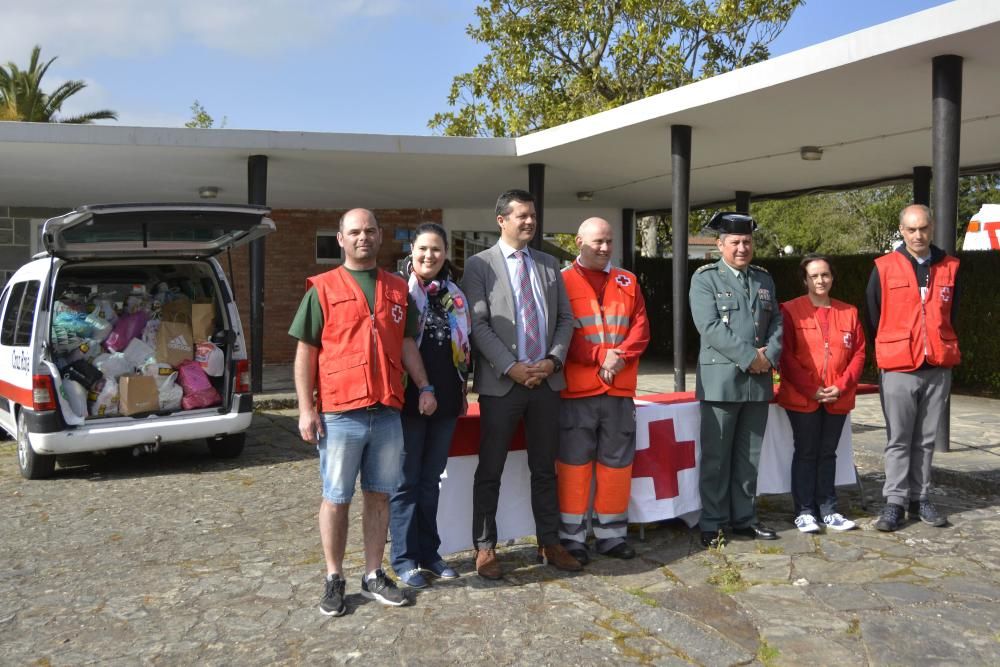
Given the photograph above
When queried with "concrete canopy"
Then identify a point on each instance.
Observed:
(865, 98)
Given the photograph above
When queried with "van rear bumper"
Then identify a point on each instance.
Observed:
(118, 432)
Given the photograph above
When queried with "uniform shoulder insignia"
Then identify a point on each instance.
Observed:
(706, 267)
(759, 268)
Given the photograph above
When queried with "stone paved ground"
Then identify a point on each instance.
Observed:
(178, 559)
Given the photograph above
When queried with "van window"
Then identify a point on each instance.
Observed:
(19, 315)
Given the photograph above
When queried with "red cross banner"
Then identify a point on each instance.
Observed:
(665, 469)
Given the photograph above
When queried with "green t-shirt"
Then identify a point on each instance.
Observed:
(307, 325)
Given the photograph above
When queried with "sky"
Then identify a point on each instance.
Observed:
(365, 66)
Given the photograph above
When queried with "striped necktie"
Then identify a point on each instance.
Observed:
(528, 309)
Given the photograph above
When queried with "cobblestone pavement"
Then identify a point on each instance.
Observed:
(179, 559)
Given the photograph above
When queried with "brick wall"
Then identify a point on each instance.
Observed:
(290, 258)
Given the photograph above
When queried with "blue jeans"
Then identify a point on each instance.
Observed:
(814, 463)
(413, 508)
(369, 441)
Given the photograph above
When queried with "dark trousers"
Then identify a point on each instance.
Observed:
(814, 463)
(731, 437)
(413, 508)
(499, 417)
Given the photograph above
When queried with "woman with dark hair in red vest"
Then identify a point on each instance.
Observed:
(821, 362)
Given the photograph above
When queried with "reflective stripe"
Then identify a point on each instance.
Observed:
(594, 338)
(617, 320)
(589, 320)
(607, 533)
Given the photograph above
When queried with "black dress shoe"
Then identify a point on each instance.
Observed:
(712, 539)
(756, 531)
(621, 550)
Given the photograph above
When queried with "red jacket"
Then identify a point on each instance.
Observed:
(616, 321)
(911, 332)
(360, 357)
(809, 361)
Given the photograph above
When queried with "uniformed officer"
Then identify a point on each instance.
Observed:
(735, 310)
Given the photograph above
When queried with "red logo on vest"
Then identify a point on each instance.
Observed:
(397, 313)
(946, 294)
(623, 280)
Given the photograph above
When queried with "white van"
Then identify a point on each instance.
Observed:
(983, 232)
(100, 263)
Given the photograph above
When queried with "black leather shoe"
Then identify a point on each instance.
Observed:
(622, 550)
(712, 539)
(756, 531)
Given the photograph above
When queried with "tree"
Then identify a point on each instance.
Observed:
(22, 97)
(201, 119)
(553, 61)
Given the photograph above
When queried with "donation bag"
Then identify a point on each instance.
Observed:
(174, 341)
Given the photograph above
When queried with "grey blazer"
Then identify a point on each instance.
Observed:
(494, 334)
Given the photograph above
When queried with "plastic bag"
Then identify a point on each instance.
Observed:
(83, 372)
(150, 331)
(76, 397)
(198, 389)
(113, 365)
(100, 328)
(104, 309)
(158, 371)
(210, 357)
(104, 402)
(137, 352)
(126, 328)
(170, 394)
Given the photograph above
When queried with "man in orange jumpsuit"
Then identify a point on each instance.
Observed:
(597, 421)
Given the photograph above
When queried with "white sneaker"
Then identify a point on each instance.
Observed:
(806, 523)
(837, 522)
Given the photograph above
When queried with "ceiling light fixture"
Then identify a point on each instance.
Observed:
(585, 195)
(208, 192)
(811, 153)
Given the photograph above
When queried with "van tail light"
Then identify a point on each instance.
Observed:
(43, 393)
(242, 385)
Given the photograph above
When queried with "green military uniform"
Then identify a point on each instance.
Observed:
(734, 318)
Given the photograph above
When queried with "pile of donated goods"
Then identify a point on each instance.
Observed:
(149, 352)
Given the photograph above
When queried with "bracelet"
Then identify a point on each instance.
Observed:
(427, 388)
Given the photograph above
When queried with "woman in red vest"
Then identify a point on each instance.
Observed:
(443, 340)
(822, 356)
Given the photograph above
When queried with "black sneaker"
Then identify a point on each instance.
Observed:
(332, 603)
(926, 512)
(891, 518)
(382, 589)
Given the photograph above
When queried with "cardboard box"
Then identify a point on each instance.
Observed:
(138, 394)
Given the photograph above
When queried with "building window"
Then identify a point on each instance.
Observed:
(15, 232)
(328, 251)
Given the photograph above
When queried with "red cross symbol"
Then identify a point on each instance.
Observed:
(664, 458)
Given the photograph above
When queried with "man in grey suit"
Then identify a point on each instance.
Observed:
(521, 327)
(735, 310)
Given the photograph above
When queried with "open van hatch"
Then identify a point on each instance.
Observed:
(153, 230)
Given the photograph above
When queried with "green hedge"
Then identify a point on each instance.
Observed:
(978, 316)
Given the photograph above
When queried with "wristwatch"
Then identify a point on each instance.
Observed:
(556, 364)
(427, 388)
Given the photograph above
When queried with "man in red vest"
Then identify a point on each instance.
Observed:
(355, 328)
(911, 300)
(597, 422)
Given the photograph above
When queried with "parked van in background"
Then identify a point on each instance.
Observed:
(983, 232)
(125, 333)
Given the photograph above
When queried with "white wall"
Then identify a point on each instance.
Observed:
(557, 221)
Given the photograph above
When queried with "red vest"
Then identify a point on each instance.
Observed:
(827, 363)
(360, 357)
(910, 332)
(605, 327)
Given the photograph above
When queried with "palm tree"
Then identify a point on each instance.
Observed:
(22, 97)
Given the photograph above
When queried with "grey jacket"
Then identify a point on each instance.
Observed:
(494, 334)
(732, 328)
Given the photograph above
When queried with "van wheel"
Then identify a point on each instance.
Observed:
(31, 465)
(228, 446)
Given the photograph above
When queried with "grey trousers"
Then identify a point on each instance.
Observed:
(913, 404)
